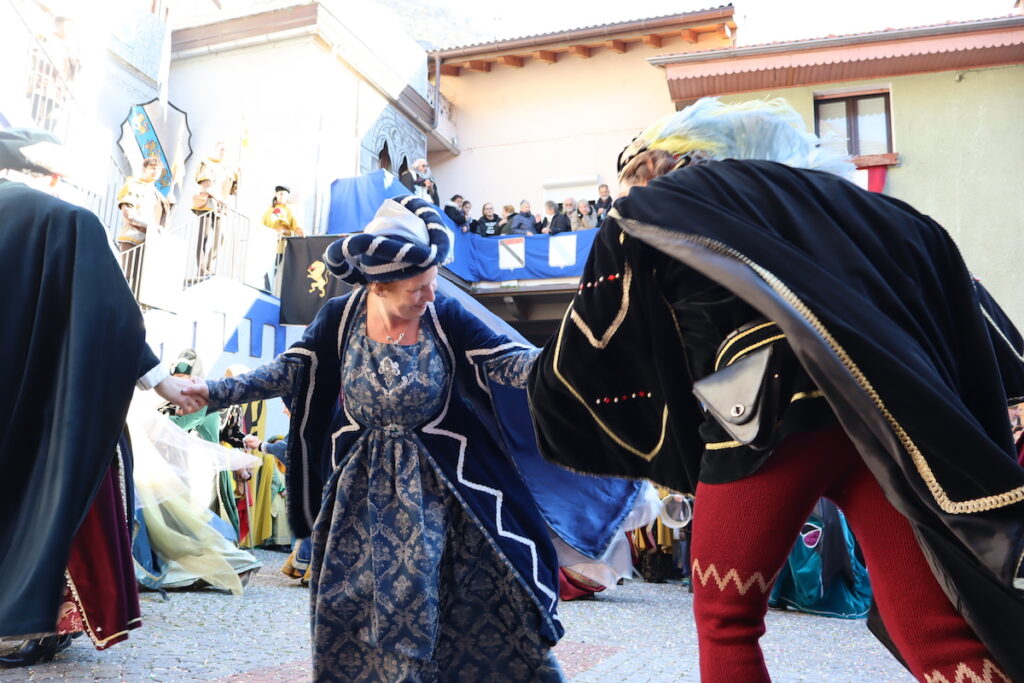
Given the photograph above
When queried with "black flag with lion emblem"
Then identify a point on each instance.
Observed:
(306, 284)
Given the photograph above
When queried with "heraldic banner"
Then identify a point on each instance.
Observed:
(306, 284)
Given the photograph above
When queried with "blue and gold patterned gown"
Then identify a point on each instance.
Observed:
(407, 585)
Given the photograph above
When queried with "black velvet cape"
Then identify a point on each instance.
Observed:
(915, 358)
(72, 347)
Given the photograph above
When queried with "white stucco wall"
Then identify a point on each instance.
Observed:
(286, 111)
(520, 127)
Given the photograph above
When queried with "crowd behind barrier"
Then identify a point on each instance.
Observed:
(571, 215)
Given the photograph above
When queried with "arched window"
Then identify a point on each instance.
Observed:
(384, 158)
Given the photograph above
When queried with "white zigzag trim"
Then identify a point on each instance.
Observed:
(499, 496)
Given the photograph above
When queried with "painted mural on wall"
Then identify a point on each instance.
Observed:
(404, 142)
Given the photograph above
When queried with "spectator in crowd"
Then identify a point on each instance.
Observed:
(489, 224)
(453, 209)
(467, 211)
(523, 223)
(603, 203)
(568, 207)
(296, 565)
(583, 218)
(142, 205)
(554, 221)
(420, 181)
(507, 212)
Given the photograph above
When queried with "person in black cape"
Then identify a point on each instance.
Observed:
(841, 349)
(73, 351)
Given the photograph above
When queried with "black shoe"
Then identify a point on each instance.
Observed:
(35, 651)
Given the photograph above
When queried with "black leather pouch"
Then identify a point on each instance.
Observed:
(745, 396)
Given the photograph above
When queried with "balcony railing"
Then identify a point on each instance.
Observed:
(195, 249)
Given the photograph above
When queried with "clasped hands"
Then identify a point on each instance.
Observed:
(189, 394)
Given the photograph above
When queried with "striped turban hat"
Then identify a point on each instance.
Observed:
(405, 238)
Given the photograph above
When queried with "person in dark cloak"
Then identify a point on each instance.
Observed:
(823, 574)
(839, 347)
(73, 352)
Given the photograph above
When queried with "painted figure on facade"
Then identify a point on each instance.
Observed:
(217, 182)
(142, 205)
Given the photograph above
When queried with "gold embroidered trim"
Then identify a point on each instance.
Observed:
(920, 463)
(924, 470)
(741, 335)
(646, 455)
(721, 445)
(627, 279)
(731, 576)
(801, 395)
(758, 345)
(81, 610)
(990, 673)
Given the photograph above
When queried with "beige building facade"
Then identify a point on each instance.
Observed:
(546, 117)
(948, 99)
(955, 131)
(302, 95)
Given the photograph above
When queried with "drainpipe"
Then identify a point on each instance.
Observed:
(437, 88)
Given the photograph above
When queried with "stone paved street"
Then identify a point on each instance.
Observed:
(638, 633)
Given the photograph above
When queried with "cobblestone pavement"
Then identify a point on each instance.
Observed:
(637, 633)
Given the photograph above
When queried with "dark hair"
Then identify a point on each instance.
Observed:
(456, 197)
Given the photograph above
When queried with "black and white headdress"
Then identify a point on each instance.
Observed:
(405, 238)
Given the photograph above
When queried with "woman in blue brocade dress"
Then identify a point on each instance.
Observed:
(431, 560)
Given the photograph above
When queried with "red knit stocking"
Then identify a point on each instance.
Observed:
(744, 530)
(935, 641)
(742, 533)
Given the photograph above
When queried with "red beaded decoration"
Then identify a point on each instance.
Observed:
(624, 397)
(598, 281)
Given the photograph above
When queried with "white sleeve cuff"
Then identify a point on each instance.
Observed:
(158, 374)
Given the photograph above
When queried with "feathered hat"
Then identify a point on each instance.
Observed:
(405, 238)
(770, 130)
